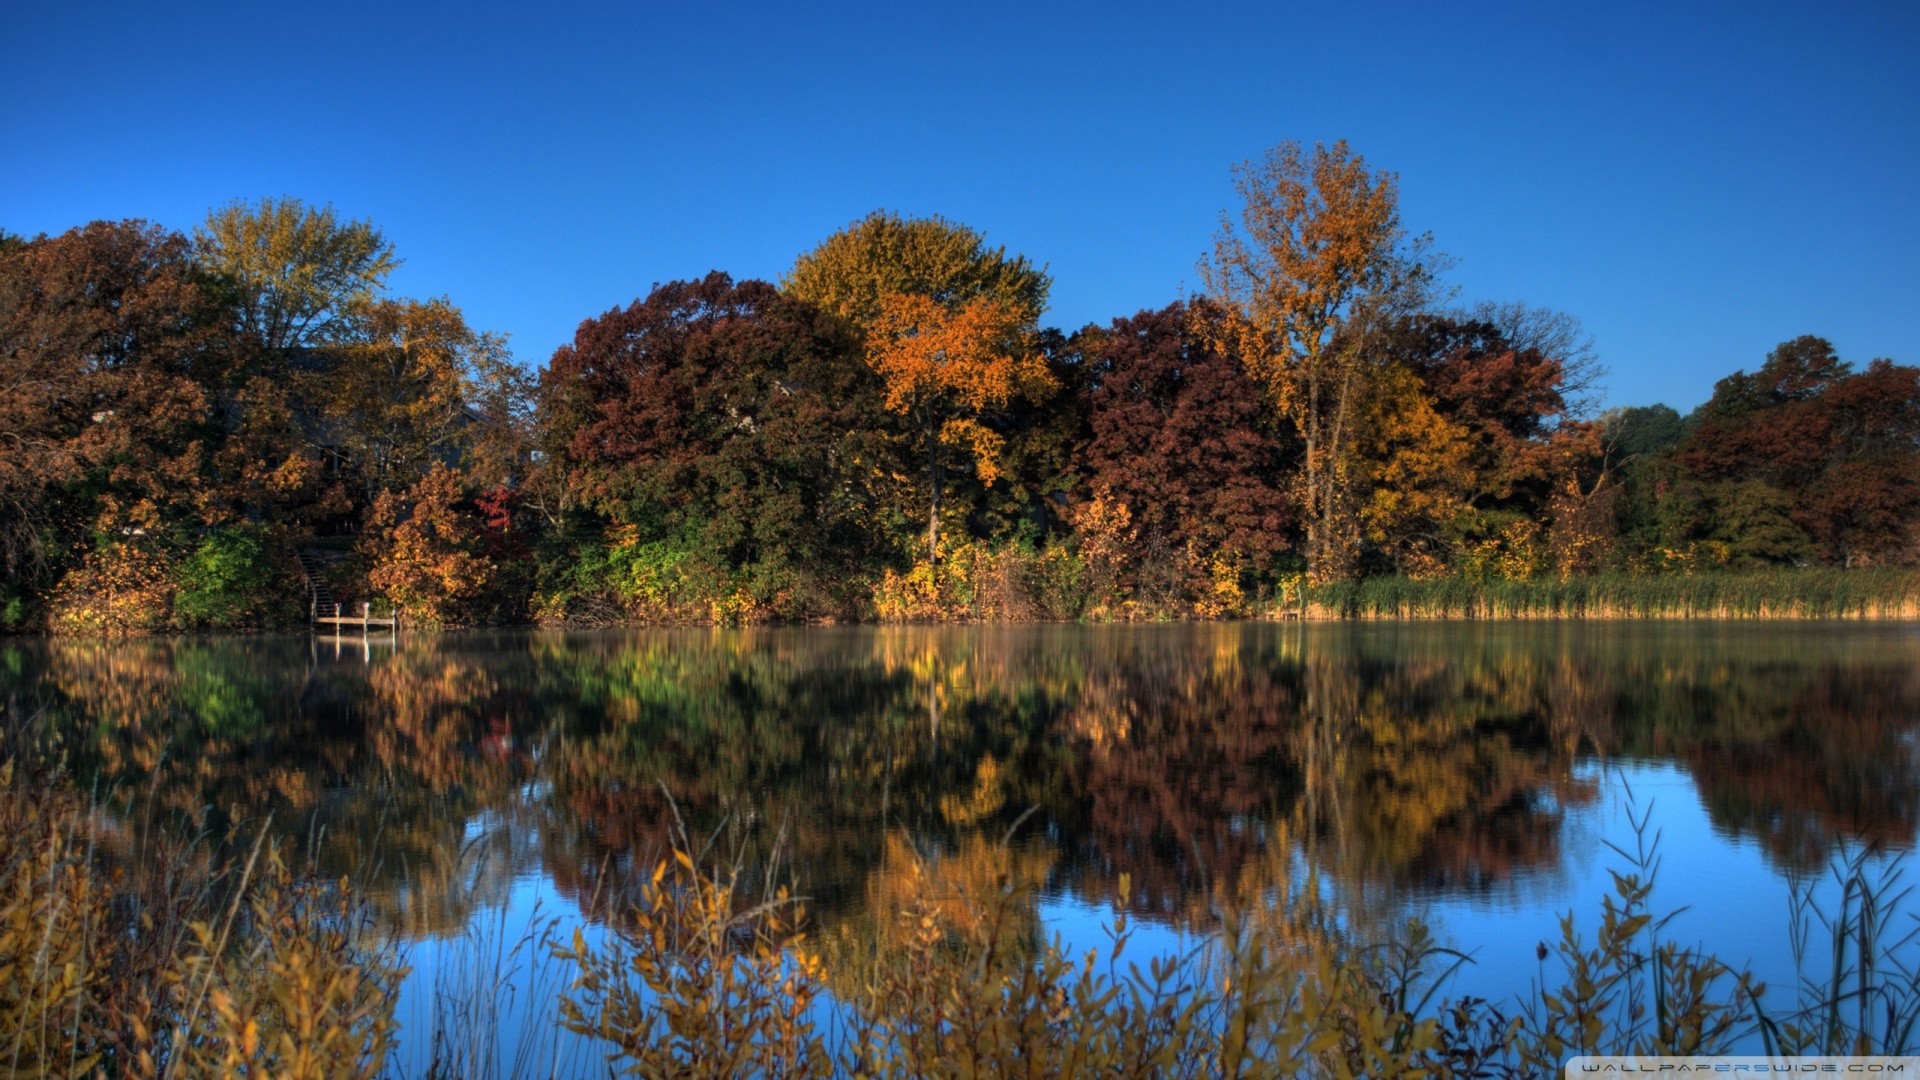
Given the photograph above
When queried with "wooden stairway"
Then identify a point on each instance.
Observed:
(313, 567)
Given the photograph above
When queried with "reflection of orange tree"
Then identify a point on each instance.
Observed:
(431, 707)
(442, 757)
(770, 737)
(1435, 774)
(1187, 757)
(948, 887)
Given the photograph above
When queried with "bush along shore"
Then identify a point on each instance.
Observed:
(219, 431)
(148, 953)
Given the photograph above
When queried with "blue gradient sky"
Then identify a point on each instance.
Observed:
(1697, 182)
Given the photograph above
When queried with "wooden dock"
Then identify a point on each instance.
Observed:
(314, 563)
(363, 623)
(367, 623)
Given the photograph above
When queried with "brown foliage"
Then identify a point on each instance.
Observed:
(104, 329)
(1177, 434)
(1842, 447)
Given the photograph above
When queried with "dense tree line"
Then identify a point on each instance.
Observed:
(886, 432)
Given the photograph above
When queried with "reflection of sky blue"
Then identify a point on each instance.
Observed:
(1738, 905)
(1739, 911)
(1081, 926)
(523, 1022)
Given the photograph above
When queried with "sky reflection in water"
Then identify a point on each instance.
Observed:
(1470, 773)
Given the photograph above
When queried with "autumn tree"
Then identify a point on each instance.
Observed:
(851, 272)
(1317, 264)
(1836, 450)
(945, 371)
(103, 331)
(729, 417)
(298, 281)
(1515, 458)
(296, 272)
(1413, 475)
(1177, 432)
(1557, 336)
(392, 399)
(427, 550)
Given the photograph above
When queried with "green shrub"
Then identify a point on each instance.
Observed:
(235, 579)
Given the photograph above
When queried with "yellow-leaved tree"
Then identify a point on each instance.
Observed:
(394, 398)
(1418, 472)
(854, 270)
(945, 370)
(1317, 266)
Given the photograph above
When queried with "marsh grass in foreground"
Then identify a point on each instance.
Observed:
(127, 954)
(959, 982)
(155, 957)
(1781, 594)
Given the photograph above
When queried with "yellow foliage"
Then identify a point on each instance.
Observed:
(123, 588)
(1104, 530)
(1220, 594)
(704, 984)
(982, 803)
(1418, 465)
(1513, 552)
(133, 965)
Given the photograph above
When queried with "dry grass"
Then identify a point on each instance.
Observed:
(137, 956)
(1786, 594)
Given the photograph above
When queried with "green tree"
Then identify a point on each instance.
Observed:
(725, 422)
(237, 578)
(1641, 430)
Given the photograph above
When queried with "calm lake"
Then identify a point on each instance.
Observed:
(1474, 774)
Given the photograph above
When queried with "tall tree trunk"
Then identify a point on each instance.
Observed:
(938, 478)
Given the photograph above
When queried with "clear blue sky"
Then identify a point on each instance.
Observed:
(1697, 182)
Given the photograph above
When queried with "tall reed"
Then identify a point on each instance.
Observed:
(1783, 594)
(153, 956)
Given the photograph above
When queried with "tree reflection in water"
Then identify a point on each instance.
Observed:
(1197, 760)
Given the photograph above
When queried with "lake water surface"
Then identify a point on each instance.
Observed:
(1476, 774)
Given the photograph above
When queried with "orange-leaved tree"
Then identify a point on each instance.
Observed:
(946, 371)
(1317, 265)
(428, 550)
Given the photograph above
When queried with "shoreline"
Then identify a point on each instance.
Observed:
(1908, 613)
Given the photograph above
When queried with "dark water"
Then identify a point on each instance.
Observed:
(1471, 773)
